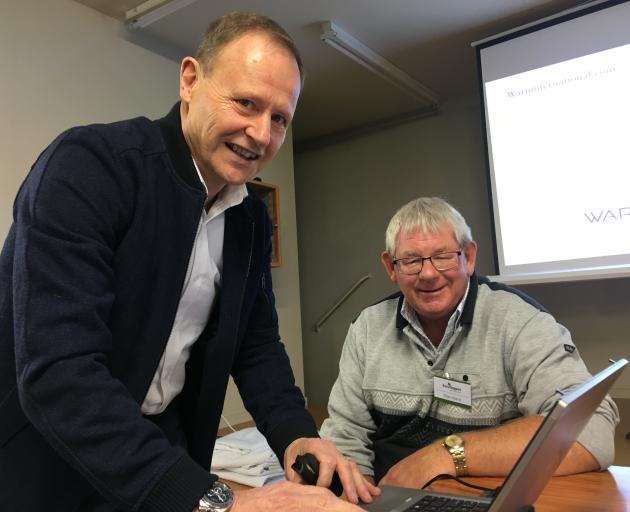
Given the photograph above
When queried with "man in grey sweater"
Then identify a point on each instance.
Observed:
(454, 373)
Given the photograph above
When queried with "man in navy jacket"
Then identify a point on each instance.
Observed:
(134, 280)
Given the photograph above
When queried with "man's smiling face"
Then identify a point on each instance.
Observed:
(236, 114)
(434, 295)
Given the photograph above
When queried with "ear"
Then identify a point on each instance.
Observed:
(189, 75)
(470, 251)
(388, 263)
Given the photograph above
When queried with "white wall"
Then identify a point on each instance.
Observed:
(64, 64)
(347, 193)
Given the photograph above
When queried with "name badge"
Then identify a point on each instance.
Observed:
(452, 391)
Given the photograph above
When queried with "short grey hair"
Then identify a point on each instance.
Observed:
(428, 215)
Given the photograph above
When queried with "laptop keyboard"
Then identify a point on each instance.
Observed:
(442, 504)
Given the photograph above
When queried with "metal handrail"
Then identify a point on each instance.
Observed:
(352, 289)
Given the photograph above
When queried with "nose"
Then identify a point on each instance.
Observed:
(260, 130)
(427, 271)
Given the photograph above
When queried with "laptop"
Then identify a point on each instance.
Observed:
(535, 466)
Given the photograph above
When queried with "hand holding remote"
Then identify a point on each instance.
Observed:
(307, 466)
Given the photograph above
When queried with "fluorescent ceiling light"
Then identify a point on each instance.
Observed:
(153, 10)
(357, 51)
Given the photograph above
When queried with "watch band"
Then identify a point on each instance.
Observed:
(454, 444)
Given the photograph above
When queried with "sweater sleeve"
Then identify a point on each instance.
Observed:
(543, 359)
(70, 214)
(350, 423)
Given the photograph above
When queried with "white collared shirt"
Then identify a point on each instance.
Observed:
(201, 286)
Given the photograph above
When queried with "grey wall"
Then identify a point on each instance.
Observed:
(346, 194)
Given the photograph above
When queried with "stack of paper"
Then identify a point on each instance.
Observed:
(245, 457)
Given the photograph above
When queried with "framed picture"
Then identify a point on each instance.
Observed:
(269, 195)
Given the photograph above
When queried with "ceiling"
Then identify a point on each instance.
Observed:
(430, 40)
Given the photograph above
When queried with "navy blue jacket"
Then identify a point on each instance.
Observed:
(90, 279)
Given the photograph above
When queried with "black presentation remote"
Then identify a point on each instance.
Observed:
(307, 466)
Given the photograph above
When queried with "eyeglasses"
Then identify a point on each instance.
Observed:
(441, 262)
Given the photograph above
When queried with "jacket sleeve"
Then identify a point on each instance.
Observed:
(350, 423)
(544, 358)
(69, 217)
(262, 370)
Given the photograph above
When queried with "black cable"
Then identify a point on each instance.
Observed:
(445, 476)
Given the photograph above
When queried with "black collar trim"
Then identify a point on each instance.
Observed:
(178, 150)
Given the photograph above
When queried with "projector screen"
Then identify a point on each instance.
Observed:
(556, 98)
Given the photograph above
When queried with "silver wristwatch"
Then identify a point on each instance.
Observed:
(218, 498)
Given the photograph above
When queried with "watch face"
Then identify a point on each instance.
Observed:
(219, 495)
(453, 441)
